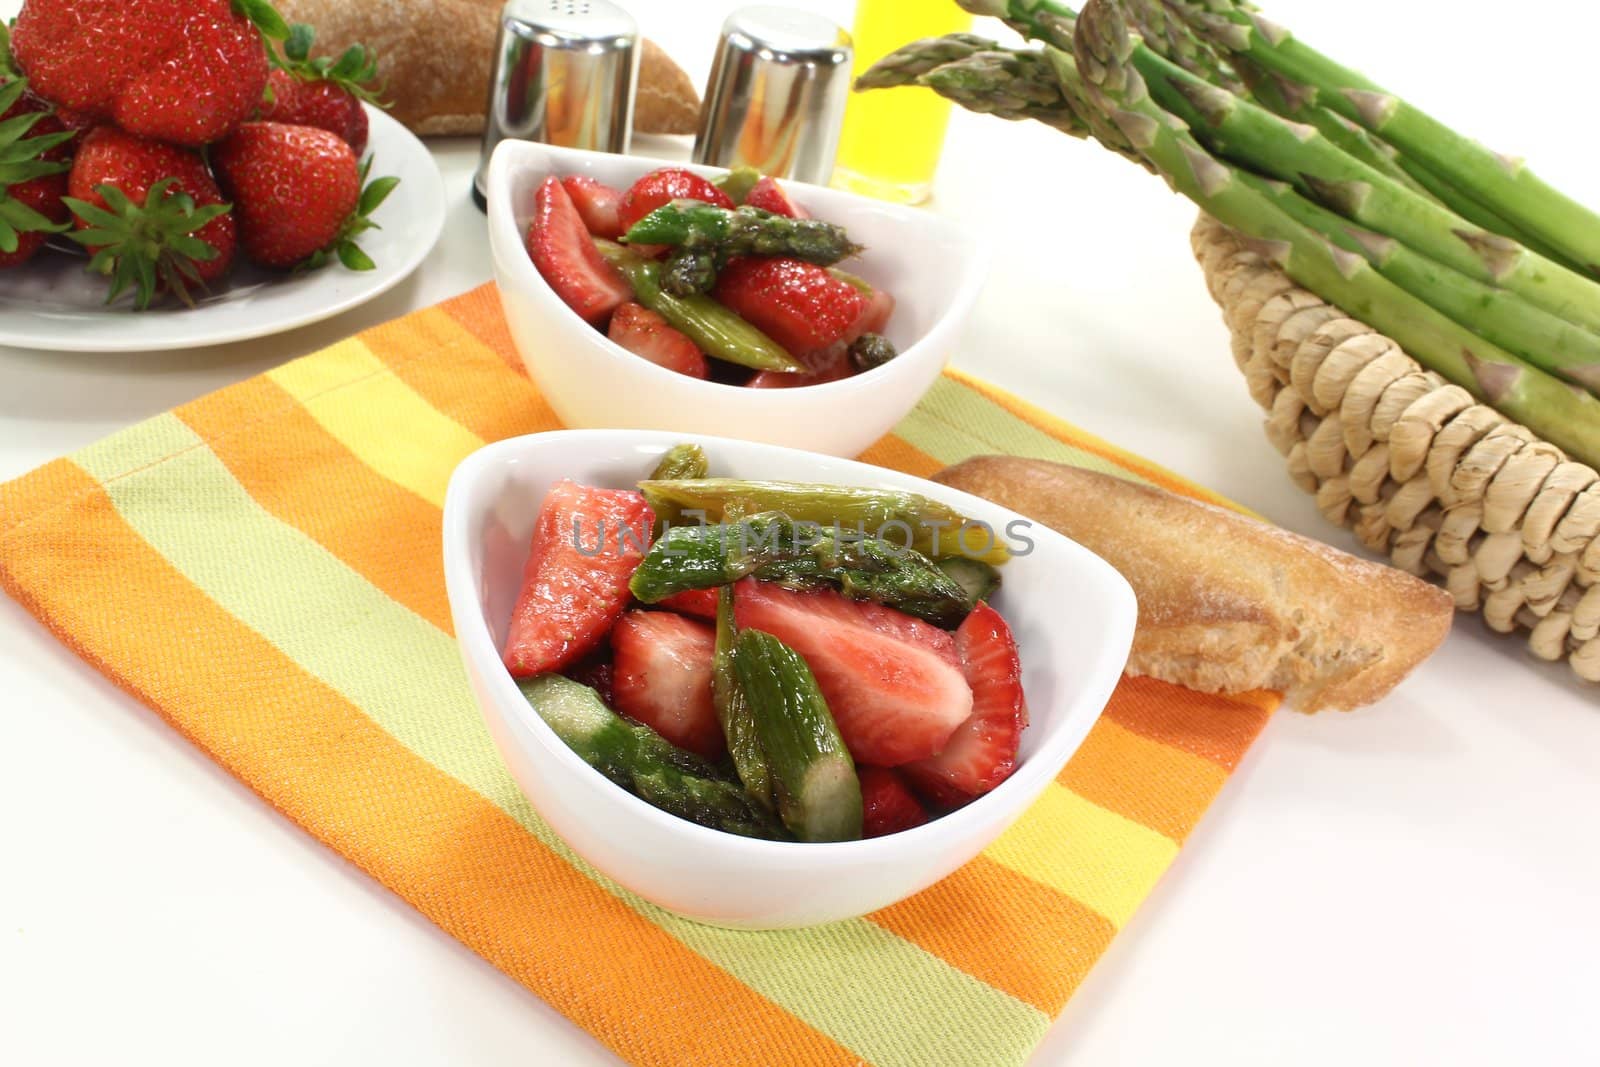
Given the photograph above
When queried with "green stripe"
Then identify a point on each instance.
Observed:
(953, 423)
(884, 998)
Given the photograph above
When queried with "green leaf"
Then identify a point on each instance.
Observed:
(8, 238)
(351, 256)
(297, 45)
(93, 214)
(116, 200)
(13, 128)
(375, 193)
(264, 16)
(11, 91)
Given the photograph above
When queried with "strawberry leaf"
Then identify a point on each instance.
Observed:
(351, 256)
(376, 192)
(265, 18)
(148, 247)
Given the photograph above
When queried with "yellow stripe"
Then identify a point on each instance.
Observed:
(1097, 857)
(390, 428)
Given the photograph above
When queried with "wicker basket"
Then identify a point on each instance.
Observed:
(1446, 487)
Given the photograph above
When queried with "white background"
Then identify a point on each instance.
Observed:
(1415, 883)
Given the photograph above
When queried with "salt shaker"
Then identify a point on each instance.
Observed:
(565, 73)
(776, 95)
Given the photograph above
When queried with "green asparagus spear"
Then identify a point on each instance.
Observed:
(871, 350)
(933, 528)
(733, 711)
(738, 182)
(707, 228)
(640, 760)
(688, 273)
(718, 331)
(682, 461)
(1567, 417)
(818, 793)
(976, 578)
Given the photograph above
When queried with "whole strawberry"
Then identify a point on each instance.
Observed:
(298, 195)
(32, 170)
(184, 71)
(321, 91)
(150, 214)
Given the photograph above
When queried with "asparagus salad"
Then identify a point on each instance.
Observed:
(728, 280)
(1480, 270)
(775, 659)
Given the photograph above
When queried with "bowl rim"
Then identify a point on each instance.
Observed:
(509, 154)
(1003, 804)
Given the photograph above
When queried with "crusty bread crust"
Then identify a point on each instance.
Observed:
(1226, 603)
(434, 58)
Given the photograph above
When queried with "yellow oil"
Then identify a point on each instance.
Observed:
(892, 138)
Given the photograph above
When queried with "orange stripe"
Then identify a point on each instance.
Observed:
(37, 493)
(1218, 728)
(986, 920)
(897, 453)
(460, 376)
(479, 311)
(454, 856)
(312, 482)
(1152, 783)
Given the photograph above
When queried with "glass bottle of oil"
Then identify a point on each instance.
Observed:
(892, 138)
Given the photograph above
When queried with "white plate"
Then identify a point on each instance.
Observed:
(53, 303)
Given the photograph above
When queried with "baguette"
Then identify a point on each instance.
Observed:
(1228, 604)
(434, 59)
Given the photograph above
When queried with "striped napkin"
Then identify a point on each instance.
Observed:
(261, 568)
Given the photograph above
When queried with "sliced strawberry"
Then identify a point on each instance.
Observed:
(586, 544)
(701, 602)
(661, 676)
(887, 806)
(644, 333)
(598, 205)
(768, 195)
(797, 304)
(565, 254)
(873, 319)
(828, 365)
(664, 185)
(893, 682)
(983, 750)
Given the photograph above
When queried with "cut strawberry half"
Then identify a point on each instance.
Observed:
(874, 318)
(768, 195)
(586, 544)
(983, 750)
(661, 676)
(699, 602)
(644, 333)
(664, 185)
(799, 305)
(827, 365)
(887, 806)
(567, 258)
(598, 205)
(893, 682)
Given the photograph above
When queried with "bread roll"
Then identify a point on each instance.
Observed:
(1228, 604)
(434, 59)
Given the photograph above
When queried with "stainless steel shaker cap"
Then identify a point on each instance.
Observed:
(776, 96)
(565, 73)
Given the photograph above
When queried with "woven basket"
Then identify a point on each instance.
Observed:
(1447, 488)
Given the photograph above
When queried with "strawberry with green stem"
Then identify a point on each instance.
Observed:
(32, 174)
(322, 91)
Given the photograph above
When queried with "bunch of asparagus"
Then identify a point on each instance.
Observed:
(1483, 272)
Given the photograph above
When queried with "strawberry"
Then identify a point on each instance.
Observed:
(768, 195)
(644, 333)
(983, 750)
(298, 193)
(595, 671)
(874, 317)
(598, 205)
(701, 602)
(797, 304)
(662, 186)
(661, 676)
(323, 92)
(32, 170)
(184, 71)
(565, 254)
(887, 806)
(586, 543)
(893, 682)
(150, 214)
(826, 365)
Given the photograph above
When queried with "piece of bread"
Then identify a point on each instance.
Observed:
(434, 58)
(1228, 604)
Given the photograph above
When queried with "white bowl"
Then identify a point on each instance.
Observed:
(932, 267)
(1072, 615)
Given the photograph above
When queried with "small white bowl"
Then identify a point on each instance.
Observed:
(1071, 613)
(932, 267)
